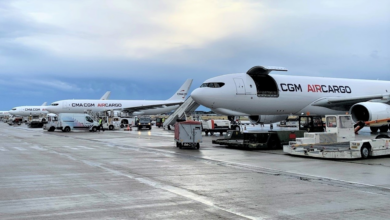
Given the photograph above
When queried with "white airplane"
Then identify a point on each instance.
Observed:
(269, 98)
(133, 107)
(4, 113)
(40, 110)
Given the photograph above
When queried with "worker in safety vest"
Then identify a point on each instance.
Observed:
(101, 125)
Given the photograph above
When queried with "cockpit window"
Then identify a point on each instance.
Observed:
(213, 85)
(14, 109)
(54, 104)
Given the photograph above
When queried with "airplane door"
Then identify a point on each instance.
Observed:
(240, 86)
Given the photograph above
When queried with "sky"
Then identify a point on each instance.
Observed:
(144, 50)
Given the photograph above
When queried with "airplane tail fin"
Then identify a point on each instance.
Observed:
(44, 104)
(106, 96)
(181, 94)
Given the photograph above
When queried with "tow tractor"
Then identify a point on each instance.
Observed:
(338, 142)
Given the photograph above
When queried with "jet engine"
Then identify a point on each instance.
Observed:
(368, 111)
(266, 119)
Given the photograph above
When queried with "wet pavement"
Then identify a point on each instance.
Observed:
(142, 175)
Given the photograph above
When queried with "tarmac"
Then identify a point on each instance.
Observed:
(142, 175)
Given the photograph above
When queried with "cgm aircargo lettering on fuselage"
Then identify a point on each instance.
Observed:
(288, 87)
(118, 105)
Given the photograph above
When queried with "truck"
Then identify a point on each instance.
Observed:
(110, 123)
(15, 120)
(291, 121)
(144, 122)
(36, 121)
(188, 133)
(258, 139)
(338, 142)
(211, 126)
(67, 122)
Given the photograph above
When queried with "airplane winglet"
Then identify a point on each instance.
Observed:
(106, 96)
(264, 70)
(44, 104)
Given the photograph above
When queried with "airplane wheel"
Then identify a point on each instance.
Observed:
(211, 133)
(365, 151)
(384, 128)
(206, 133)
(374, 129)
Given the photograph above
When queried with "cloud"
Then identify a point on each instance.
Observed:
(134, 29)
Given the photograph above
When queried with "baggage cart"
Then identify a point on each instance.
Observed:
(188, 133)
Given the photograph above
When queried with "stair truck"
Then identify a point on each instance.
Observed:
(188, 133)
(67, 122)
(338, 142)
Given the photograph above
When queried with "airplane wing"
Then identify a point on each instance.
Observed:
(148, 107)
(344, 104)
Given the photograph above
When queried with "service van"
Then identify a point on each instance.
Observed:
(70, 121)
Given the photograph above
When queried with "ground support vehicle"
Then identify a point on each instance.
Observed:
(70, 121)
(258, 139)
(144, 122)
(15, 121)
(36, 121)
(291, 121)
(110, 123)
(160, 122)
(337, 142)
(188, 133)
(211, 126)
(349, 150)
(311, 123)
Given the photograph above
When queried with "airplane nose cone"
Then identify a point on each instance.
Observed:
(196, 95)
(201, 97)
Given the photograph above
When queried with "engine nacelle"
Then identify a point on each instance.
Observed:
(369, 111)
(266, 119)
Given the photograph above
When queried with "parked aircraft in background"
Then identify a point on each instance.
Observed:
(39, 110)
(269, 98)
(133, 107)
(4, 113)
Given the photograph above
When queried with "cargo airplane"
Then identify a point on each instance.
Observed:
(269, 98)
(133, 107)
(40, 110)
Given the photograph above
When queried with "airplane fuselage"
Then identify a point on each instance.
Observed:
(28, 111)
(82, 106)
(275, 94)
